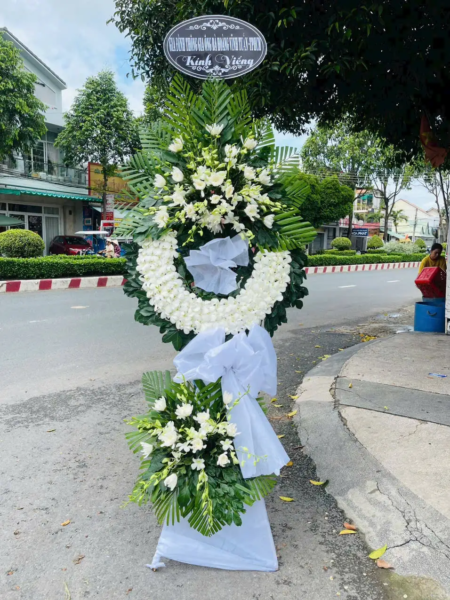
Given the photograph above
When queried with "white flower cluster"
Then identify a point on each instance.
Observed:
(184, 442)
(169, 296)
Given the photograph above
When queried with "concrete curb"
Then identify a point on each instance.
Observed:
(353, 268)
(385, 510)
(41, 285)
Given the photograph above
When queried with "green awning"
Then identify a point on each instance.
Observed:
(9, 221)
(48, 194)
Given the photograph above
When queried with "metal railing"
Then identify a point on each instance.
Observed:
(35, 168)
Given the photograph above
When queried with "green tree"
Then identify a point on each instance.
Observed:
(154, 99)
(21, 113)
(374, 242)
(328, 200)
(374, 217)
(100, 127)
(397, 216)
(384, 62)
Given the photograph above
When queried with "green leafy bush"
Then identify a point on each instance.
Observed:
(376, 251)
(21, 243)
(341, 252)
(51, 267)
(420, 243)
(375, 242)
(341, 243)
(399, 248)
(366, 259)
(444, 245)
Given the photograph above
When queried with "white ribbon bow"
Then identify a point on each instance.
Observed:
(247, 365)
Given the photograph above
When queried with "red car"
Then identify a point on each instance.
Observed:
(68, 244)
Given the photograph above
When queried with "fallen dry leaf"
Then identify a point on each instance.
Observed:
(346, 531)
(280, 436)
(65, 523)
(298, 371)
(128, 591)
(10, 573)
(350, 385)
(382, 564)
(278, 405)
(341, 349)
(50, 430)
(325, 568)
(293, 397)
(290, 464)
(317, 346)
(285, 499)
(291, 414)
(274, 400)
(298, 447)
(378, 553)
(318, 482)
(78, 559)
(350, 526)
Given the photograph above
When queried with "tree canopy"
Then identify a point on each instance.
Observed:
(327, 201)
(22, 121)
(100, 126)
(384, 62)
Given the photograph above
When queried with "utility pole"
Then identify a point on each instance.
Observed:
(415, 225)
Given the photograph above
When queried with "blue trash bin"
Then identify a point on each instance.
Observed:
(429, 316)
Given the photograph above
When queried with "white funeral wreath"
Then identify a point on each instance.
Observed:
(169, 296)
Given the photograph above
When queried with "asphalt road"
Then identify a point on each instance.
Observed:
(70, 364)
(52, 341)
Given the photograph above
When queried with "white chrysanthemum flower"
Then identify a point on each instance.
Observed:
(227, 397)
(202, 417)
(250, 143)
(264, 177)
(190, 211)
(177, 175)
(231, 151)
(232, 430)
(159, 182)
(226, 445)
(184, 411)
(160, 404)
(161, 217)
(199, 184)
(198, 464)
(215, 130)
(217, 178)
(252, 211)
(176, 145)
(268, 221)
(214, 223)
(223, 460)
(197, 444)
(168, 435)
(171, 481)
(249, 172)
(147, 449)
(229, 191)
(215, 199)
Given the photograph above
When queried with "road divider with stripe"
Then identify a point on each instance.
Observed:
(353, 268)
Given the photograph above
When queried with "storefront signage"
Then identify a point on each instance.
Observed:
(108, 209)
(360, 232)
(215, 46)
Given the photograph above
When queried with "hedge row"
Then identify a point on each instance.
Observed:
(50, 267)
(340, 252)
(332, 260)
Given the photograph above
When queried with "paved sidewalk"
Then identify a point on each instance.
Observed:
(376, 421)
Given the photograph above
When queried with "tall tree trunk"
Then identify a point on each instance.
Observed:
(386, 219)
(105, 186)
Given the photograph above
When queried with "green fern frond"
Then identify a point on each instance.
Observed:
(155, 383)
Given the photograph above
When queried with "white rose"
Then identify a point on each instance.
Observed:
(232, 430)
(268, 221)
(178, 198)
(250, 143)
(226, 445)
(215, 130)
(252, 211)
(231, 151)
(249, 172)
(176, 145)
(217, 178)
(159, 182)
(177, 175)
(199, 184)
(184, 410)
(171, 482)
(160, 404)
(215, 199)
(147, 449)
(223, 460)
(198, 464)
(227, 397)
(197, 444)
(168, 436)
(202, 417)
(264, 177)
(229, 191)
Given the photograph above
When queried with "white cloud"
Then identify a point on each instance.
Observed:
(73, 39)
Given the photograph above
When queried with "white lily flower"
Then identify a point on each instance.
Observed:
(190, 211)
(268, 221)
(176, 145)
(184, 447)
(202, 417)
(232, 430)
(184, 410)
(226, 445)
(215, 130)
(252, 211)
(171, 481)
(264, 177)
(227, 398)
(217, 177)
(223, 460)
(159, 182)
(177, 175)
(199, 184)
(198, 464)
(249, 173)
(197, 444)
(229, 191)
(160, 404)
(250, 143)
(147, 449)
(161, 217)
(215, 199)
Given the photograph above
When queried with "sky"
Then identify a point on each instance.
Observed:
(73, 39)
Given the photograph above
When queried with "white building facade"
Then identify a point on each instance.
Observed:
(49, 198)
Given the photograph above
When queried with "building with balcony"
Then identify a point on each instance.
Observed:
(37, 188)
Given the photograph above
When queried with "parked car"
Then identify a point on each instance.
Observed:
(69, 244)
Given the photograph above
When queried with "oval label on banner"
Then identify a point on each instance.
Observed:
(215, 46)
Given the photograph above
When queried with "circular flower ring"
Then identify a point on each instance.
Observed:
(169, 296)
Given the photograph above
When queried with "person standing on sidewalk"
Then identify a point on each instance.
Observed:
(434, 259)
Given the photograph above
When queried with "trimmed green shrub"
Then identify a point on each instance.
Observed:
(420, 243)
(374, 242)
(51, 267)
(376, 251)
(341, 252)
(341, 243)
(366, 259)
(21, 243)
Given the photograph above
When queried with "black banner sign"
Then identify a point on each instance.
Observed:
(215, 46)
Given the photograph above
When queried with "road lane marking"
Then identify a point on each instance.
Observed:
(394, 281)
(77, 307)
(38, 321)
(347, 286)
